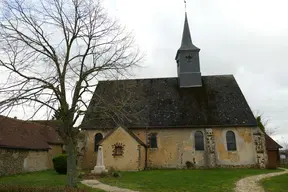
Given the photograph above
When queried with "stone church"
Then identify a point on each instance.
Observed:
(166, 122)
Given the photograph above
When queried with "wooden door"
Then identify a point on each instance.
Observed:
(272, 159)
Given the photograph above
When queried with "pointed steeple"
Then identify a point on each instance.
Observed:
(186, 43)
(188, 63)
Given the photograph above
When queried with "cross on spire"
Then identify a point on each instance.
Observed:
(185, 5)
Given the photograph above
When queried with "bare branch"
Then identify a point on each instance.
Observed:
(264, 123)
(54, 52)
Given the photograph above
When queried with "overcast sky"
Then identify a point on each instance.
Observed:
(248, 39)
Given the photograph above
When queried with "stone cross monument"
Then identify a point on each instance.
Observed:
(99, 168)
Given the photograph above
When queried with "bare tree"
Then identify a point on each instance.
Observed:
(284, 144)
(263, 124)
(54, 52)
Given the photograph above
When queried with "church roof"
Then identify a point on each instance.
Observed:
(160, 103)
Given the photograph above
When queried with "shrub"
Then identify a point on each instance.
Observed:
(116, 174)
(189, 164)
(12, 188)
(60, 164)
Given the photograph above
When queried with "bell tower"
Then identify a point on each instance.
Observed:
(187, 58)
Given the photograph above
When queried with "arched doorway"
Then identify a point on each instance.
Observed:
(98, 137)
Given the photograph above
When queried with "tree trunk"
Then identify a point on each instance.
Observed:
(71, 164)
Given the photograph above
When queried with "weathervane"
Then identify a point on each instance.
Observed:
(185, 5)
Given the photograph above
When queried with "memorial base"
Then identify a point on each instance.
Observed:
(99, 170)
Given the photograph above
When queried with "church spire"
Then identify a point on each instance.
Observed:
(187, 58)
(186, 43)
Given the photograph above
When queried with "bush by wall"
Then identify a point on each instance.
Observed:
(189, 164)
(60, 164)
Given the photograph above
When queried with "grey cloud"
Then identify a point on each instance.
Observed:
(235, 37)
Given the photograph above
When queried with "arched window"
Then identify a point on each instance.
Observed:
(153, 141)
(199, 141)
(98, 137)
(231, 141)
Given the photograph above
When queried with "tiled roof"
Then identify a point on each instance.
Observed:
(161, 103)
(271, 144)
(56, 124)
(20, 134)
(49, 130)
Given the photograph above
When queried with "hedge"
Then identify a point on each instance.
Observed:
(60, 164)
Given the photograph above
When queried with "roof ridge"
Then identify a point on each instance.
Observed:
(160, 78)
(24, 121)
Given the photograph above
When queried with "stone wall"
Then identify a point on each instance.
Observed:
(90, 156)
(37, 161)
(55, 151)
(260, 148)
(13, 161)
(142, 157)
(176, 146)
(210, 148)
(244, 155)
(131, 157)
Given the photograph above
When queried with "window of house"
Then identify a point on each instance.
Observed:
(153, 140)
(231, 141)
(199, 141)
(118, 149)
(98, 138)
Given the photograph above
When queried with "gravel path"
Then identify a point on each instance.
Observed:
(98, 185)
(251, 184)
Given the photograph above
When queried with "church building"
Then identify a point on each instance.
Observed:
(191, 119)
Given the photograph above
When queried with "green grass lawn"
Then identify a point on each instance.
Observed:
(213, 180)
(43, 178)
(276, 184)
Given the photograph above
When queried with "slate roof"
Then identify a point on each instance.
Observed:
(161, 103)
(271, 144)
(186, 43)
(18, 134)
